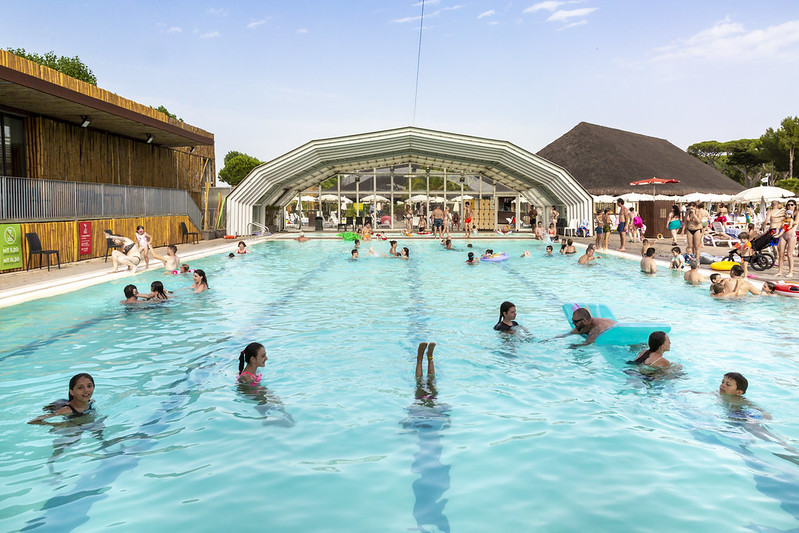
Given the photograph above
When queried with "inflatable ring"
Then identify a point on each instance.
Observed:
(229, 237)
(495, 258)
(787, 289)
(660, 236)
(723, 265)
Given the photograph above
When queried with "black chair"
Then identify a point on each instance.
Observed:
(186, 234)
(109, 243)
(348, 223)
(35, 248)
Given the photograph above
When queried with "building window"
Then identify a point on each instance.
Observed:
(12, 146)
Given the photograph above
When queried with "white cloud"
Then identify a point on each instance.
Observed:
(256, 23)
(550, 5)
(174, 29)
(484, 14)
(302, 31)
(406, 19)
(727, 40)
(573, 24)
(210, 35)
(428, 15)
(218, 12)
(563, 15)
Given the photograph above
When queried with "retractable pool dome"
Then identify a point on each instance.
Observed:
(278, 182)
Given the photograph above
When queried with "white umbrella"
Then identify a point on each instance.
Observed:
(438, 199)
(766, 193)
(330, 198)
(462, 198)
(374, 198)
(418, 198)
(604, 199)
(635, 197)
(308, 198)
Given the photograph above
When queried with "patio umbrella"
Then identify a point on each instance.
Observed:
(653, 182)
(329, 198)
(635, 197)
(604, 199)
(418, 198)
(374, 198)
(436, 199)
(766, 193)
(462, 198)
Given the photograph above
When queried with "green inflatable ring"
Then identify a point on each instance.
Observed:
(348, 236)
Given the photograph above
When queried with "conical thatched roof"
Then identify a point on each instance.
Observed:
(605, 161)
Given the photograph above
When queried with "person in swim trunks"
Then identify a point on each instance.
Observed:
(171, 261)
(623, 220)
(81, 389)
(438, 222)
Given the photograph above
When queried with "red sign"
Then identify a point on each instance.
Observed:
(84, 238)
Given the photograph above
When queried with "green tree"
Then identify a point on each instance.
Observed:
(789, 132)
(792, 184)
(746, 156)
(711, 152)
(237, 166)
(166, 112)
(71, 66)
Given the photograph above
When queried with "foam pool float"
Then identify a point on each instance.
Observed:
(621, 334)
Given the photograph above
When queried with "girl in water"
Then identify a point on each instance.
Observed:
(507, 322)
(200, 281)
(242, 248)
(251, 359)
(81, 389)
(659, 343)
(157, 292)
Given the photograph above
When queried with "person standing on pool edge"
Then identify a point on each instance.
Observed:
(623, 219)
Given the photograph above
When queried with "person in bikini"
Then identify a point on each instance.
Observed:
(787, 236)
(659, 343)
(605, 229)
(251, 359)
(130, 256)
(693, 225)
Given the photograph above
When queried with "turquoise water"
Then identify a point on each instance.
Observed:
(525, 435)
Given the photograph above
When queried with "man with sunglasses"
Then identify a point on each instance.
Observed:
(591, 327)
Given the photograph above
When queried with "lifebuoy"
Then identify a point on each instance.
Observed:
(787, 289)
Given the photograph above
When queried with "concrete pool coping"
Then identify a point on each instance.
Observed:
(22, 286)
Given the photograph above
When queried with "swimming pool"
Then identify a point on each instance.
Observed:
(525, 435)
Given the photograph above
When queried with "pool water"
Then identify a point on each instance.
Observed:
(523, 435)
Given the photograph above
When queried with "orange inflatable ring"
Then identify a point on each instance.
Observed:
(229, 237)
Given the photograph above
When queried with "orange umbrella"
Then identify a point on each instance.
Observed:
(653, 182)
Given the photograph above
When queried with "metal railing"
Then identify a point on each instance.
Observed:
(25, 199)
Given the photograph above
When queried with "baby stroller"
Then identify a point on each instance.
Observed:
(762, 257)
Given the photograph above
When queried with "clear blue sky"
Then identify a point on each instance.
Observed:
(267, 76)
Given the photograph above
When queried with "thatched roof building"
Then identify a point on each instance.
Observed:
(605, 161)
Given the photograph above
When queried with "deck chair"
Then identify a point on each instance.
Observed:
(35, 248)
(717, 236)
(109, 243)
(571, 228)
(186, 234)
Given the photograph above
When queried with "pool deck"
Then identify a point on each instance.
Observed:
(22, 286)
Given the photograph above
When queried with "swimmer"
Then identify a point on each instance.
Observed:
(81, 389)
(471, 259)
(200, 281)
(184, 268)
(302, 237)
(251, 359)
(525, 254)
(393, 250)
(469, 245)
(659, 343)
(733, 384)
(506, 323)
(585, 324)
(448, 244)
(569, 248)
(717, 291)
(231, 255)
(768, 288)
(158, 292)
(145, 243)
(677, 260)
(405, 254)
(693, 276)
(586, 258)
(356, 243)
(354, 254)
(242, 248)
(488, 253)
(431, 368)
(737, 285)
(550, 249)
(171, 261)
(648, 265)
(131, 294)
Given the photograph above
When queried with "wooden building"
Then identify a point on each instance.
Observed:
(54, 127)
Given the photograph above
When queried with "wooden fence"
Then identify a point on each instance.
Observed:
(63, 235)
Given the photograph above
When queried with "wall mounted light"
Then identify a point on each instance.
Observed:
(149, 139)
(85, 121)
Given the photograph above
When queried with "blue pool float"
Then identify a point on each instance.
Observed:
(495, 258)
(623, 333)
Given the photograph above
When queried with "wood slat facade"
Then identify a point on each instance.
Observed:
(63, 235)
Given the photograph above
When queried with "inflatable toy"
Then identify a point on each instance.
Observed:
(723, 265)
(623, 333)
(787, 289)
(496, 258)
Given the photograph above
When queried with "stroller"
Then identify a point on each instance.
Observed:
(762, 257)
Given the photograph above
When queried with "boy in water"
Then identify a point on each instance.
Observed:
(171, 261)
(734, 384)
(549, 250)
(648, 265)
(677, 260)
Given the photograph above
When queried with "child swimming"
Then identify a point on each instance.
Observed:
(251, 359)
(81, 389)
